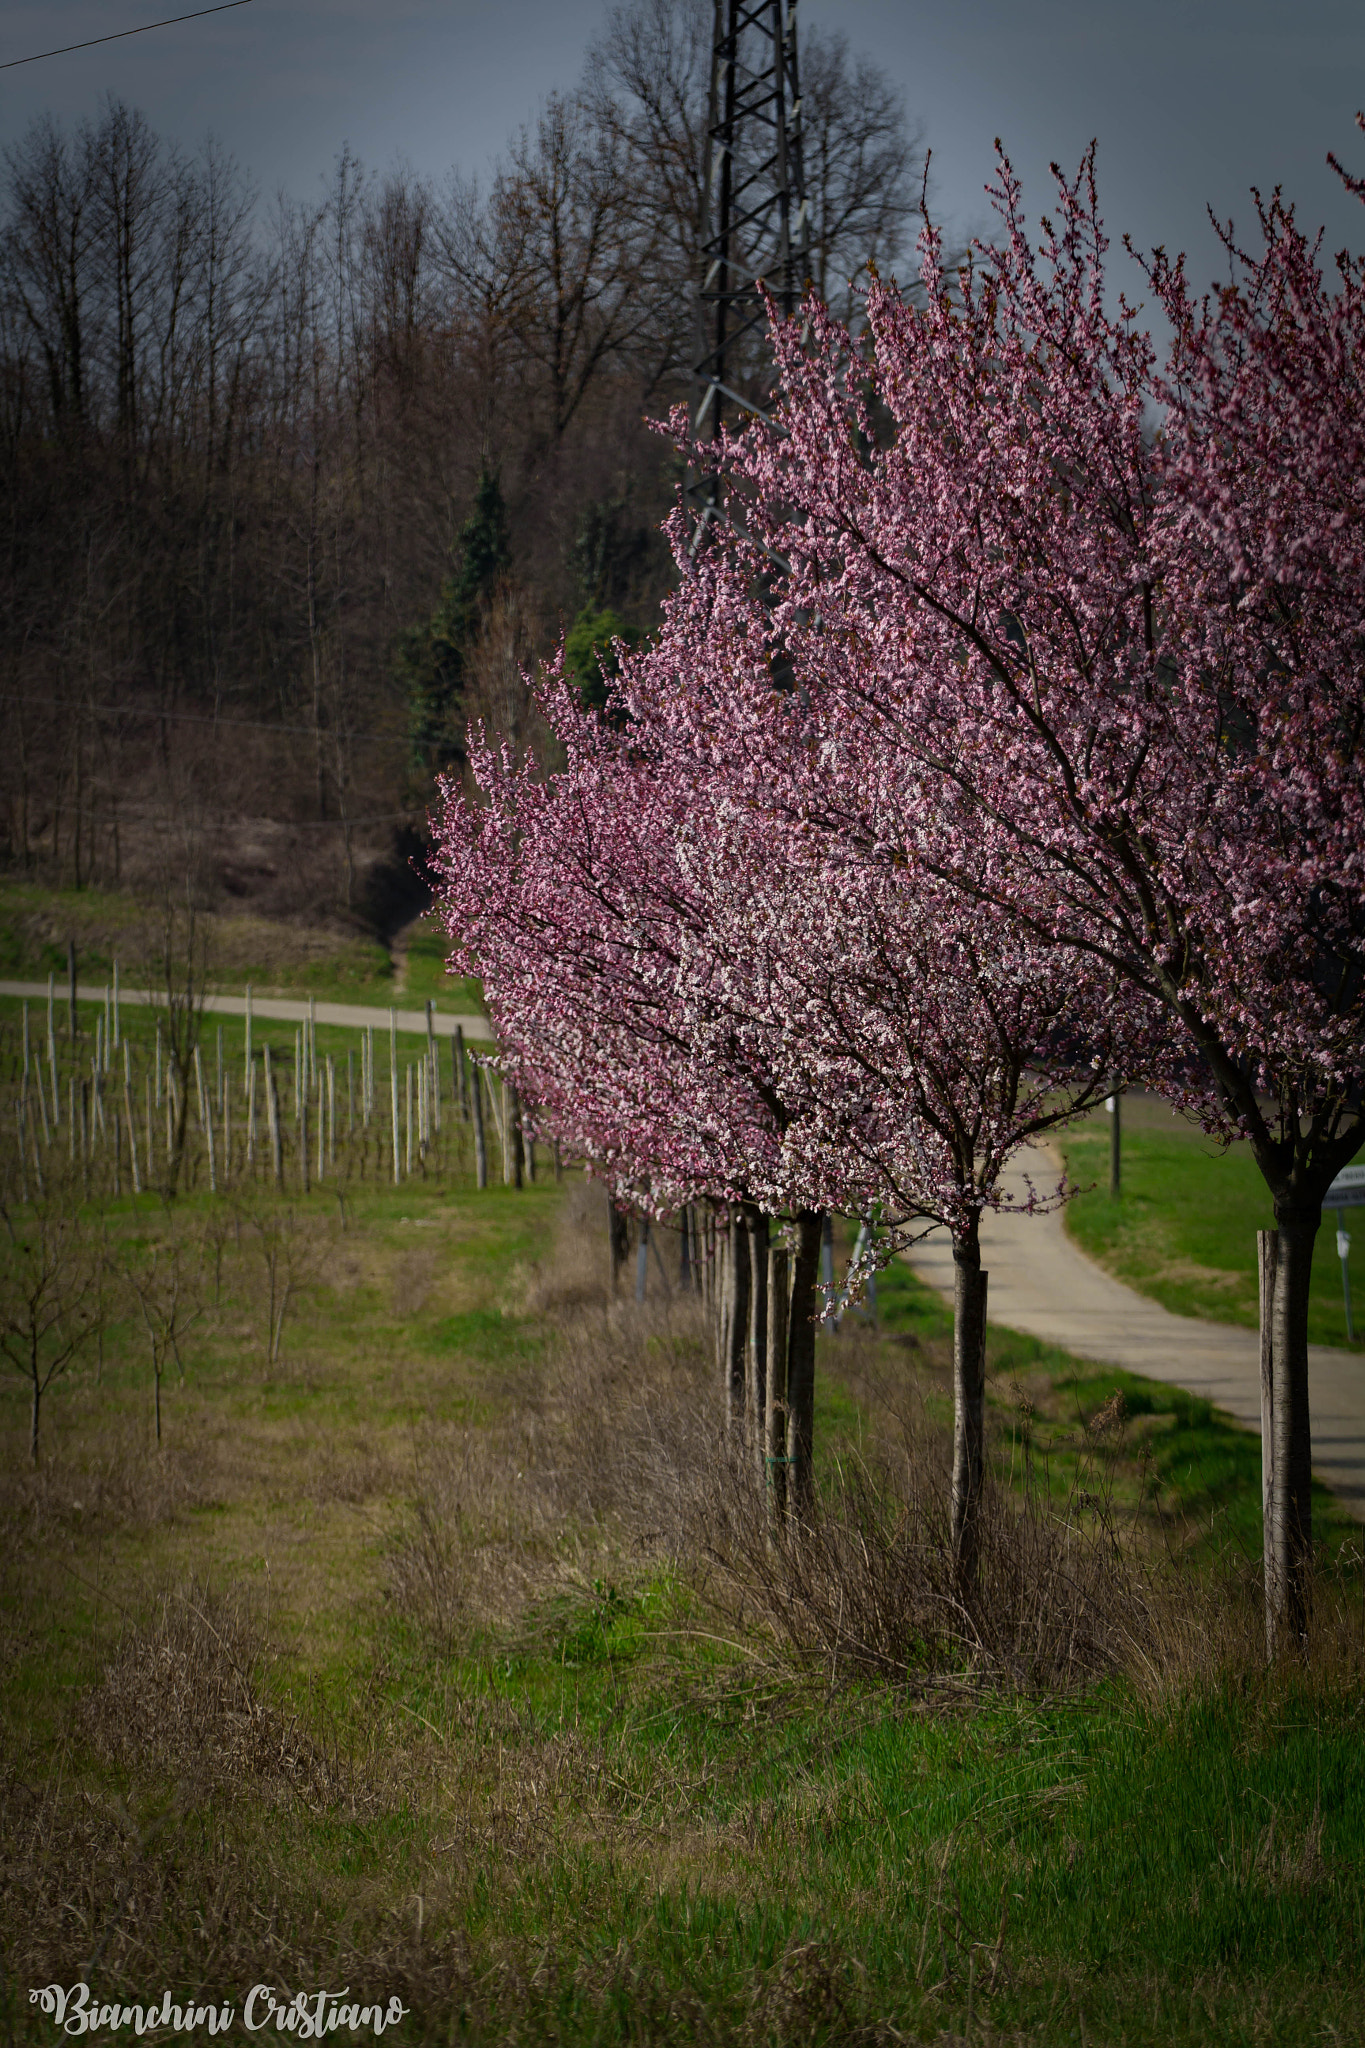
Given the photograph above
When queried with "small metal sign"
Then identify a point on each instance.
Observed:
(1347, 1190)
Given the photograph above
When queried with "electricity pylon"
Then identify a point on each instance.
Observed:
(754, 220)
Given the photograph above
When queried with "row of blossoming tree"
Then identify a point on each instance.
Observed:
(1011, 738)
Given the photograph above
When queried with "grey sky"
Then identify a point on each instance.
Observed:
(1191, 103)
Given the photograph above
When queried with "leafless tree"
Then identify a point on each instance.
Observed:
(165, 1282)
(50, 1300)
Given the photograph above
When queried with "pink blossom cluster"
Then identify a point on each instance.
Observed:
(710, 990)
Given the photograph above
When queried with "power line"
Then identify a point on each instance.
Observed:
(224, 7)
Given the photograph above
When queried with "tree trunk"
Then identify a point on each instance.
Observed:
(775, 1430)
(618, 1243)
(737, 1329)
(33, 1418)
(1267, 1248)
(642, 1262)
(756, 1373)
(969, 1396)
(480, 1141)
(1289, 1538)
(801, 1362)
(512, 1111)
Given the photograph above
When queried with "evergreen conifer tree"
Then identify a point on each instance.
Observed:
(432, 659)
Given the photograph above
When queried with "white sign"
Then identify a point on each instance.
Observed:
(1347, 1190)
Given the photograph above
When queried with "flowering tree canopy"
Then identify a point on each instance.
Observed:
(706, 993)
(1103, 616)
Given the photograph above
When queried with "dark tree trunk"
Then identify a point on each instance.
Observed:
(801, 1361)
(737, 1329)
(969, 1396)
(775, 1431)
(720, 1296)
(515, 1142)
(1267, 1251)
(1289, 1537)
(618, 1243)
(756, 1377)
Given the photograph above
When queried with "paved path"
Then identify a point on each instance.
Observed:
(276, 1009)
(1041, 1283)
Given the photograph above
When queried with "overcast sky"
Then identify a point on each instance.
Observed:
(1193, 101)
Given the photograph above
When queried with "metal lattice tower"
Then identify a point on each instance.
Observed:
(754, 221)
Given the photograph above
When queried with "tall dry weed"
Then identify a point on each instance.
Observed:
(618, 1444)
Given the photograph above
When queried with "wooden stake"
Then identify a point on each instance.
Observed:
(132, 1128)
(41, 1092)
(457, 1061)
(393, 1110)
(52, 1051)
(272, 1110)
(407, 1115)
(206, 1121)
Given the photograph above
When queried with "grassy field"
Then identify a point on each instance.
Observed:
(331, 964)
(409, 1664)
(1184, 1227)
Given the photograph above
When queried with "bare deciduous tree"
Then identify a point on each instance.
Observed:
(50, 1300)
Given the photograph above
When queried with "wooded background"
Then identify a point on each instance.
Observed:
(294, 488)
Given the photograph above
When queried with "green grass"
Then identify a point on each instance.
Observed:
(427, 951)
(1198, 1467)
(1183, 1229)
(275, 958)
(623, 1821)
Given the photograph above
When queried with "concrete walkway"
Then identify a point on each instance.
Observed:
(273, 1009)
(1042, 1284)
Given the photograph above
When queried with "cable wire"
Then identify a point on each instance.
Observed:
(224, 7)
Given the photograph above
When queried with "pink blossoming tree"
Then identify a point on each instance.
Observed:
(705, 994)
(1114, 673)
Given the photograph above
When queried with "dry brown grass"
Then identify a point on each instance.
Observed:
(182, 1696)
(614, 1449)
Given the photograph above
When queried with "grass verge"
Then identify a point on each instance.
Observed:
(396, 1668)
(1183, 1230)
